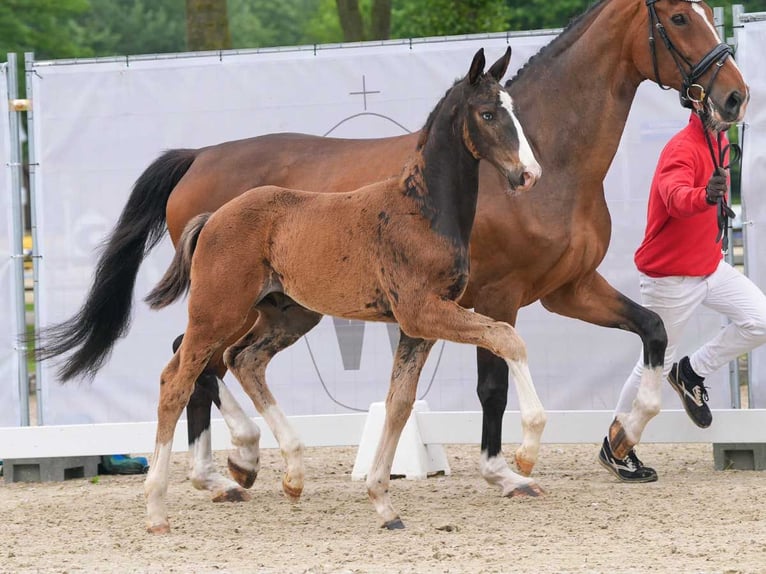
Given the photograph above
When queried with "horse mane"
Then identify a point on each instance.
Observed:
(563, 41)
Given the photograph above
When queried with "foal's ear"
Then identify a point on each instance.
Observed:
(477, 67)
(499, 68)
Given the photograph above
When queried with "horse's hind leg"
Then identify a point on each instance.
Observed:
(411, 355)
(594, 300)
(280, 323)
(244, 461)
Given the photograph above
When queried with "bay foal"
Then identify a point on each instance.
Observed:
(392, 251)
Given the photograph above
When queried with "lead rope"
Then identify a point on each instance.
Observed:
(723, 211)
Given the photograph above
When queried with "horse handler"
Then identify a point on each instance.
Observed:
(681, 267)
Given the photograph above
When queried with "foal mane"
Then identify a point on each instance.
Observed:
(564, 40)
(426, 129)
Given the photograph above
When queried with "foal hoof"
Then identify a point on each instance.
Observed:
(531, 490)
(395, 524)
(245, 477)
(158, 528)
(618, 440)
(292, 491)
(523, 465)
(233, 495)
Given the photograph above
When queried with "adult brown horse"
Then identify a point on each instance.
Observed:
(401, 254)
(575, 96)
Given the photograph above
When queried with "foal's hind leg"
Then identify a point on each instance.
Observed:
(443, 319)
(176, 384)
(411, 355)
(281, 322)
(244, 461)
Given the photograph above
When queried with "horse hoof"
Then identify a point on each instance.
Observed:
(523, 465)
(158, 528)
(531, 490)
(245, 477)
(233, 495)
(618, 440)
(293, 493)
(395, 524)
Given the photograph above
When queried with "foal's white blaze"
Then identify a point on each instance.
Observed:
(526, 155)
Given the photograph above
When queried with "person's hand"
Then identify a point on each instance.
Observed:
(716, 187)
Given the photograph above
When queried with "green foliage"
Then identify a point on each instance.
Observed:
(46, 27)
(544, 14)
(259, 23)
(448, 17)
(128, 27)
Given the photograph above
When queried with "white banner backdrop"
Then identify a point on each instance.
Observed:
(98, 125)
(9, 367)
(751, 41)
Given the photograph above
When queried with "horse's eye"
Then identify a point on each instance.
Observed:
(678, 19)
(488, 116)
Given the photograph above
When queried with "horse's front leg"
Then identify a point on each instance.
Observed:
(243, 461)
(594, 300)
(492, 389)
(411, 355)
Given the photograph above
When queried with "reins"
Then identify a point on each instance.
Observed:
(723, 211)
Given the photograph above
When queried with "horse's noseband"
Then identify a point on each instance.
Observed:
(717, 55)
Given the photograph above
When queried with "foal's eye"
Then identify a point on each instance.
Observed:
(678, 19)
(488, 116)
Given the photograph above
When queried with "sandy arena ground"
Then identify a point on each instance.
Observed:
(694, 520)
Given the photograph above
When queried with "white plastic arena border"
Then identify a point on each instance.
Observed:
(436, 428)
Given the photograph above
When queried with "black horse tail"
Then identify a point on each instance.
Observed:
(105, 315)
(176, 280)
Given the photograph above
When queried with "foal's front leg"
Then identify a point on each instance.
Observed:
(411, 355)
(442, 319)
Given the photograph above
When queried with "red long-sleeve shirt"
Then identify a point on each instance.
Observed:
(681, 227)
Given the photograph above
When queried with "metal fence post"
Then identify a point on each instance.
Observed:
(18, 235)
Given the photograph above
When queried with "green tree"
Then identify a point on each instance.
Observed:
(207, 25)
(128, 27)
(447, 17)
(45, 27)
(543, 14)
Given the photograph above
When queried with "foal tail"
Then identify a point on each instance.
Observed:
(175, 283)
(105, 315)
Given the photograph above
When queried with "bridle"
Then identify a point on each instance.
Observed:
(717, 56)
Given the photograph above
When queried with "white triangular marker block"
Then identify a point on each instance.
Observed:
(413, 459)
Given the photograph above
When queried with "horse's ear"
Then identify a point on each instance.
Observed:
(477, 67)
(499, 68)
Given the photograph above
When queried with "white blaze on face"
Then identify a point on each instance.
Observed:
(701, 12)
(526, 155)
